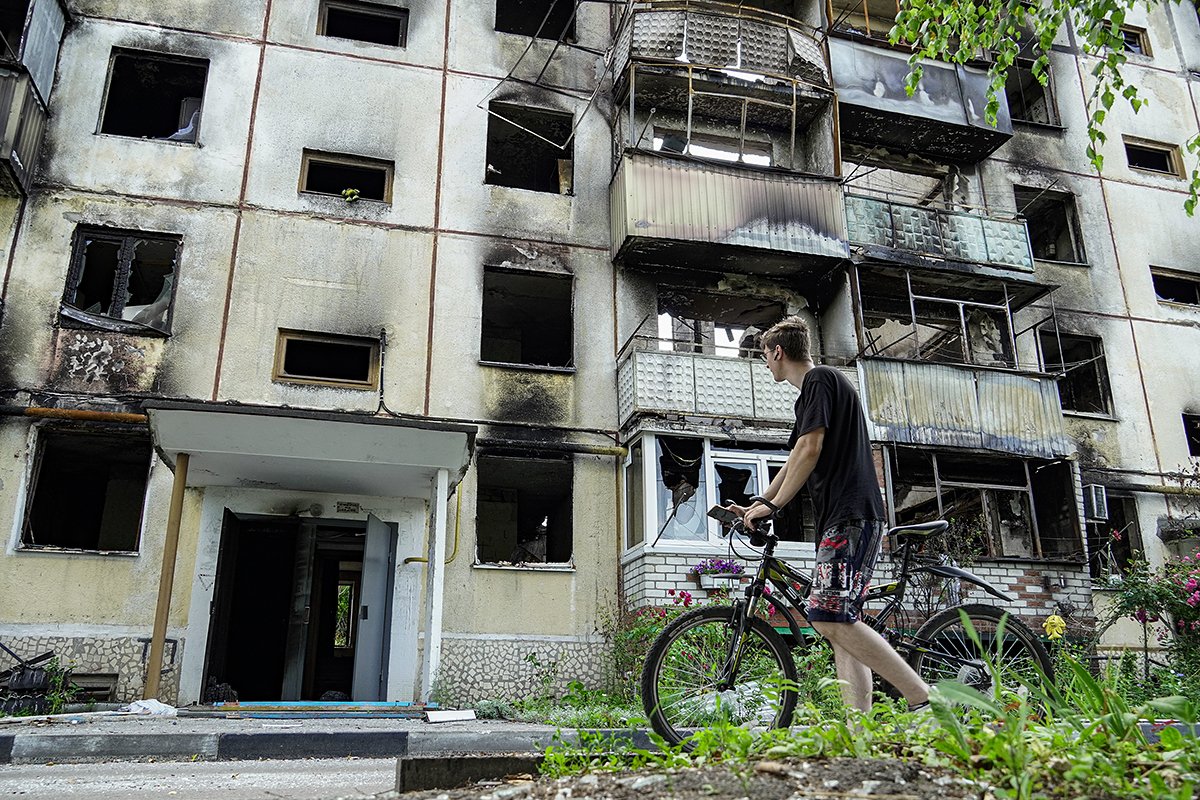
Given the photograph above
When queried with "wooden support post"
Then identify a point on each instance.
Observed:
(166, 580)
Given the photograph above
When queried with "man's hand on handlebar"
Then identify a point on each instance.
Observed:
(755, 512)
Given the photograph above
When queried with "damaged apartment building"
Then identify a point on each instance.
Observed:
(385, 349)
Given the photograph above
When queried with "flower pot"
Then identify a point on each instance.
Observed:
(710, 580)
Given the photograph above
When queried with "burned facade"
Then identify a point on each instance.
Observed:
(374, 347)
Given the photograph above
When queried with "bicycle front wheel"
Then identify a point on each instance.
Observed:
(684, 682)
(945, 651)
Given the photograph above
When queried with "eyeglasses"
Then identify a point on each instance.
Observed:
(761, 355)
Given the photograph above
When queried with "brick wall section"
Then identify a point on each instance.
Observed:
(1038, 588)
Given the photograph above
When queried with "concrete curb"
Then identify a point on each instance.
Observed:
(44, 746)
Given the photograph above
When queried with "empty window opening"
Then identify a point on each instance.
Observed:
(346, 176)
(997, 507)
(524, 510)
(1152, 157)
(1028, 99)
(12, 25)
(526, 318)
(545, 19)
(1053, 224)
(870, 18)
(1136, 41)
(87, 490)
(363, 22)
(1083, 385)
(1191, 429)
(1115, 543)
(122, 275)
(1175, 287)
(523, 151)
(716, 148)
(154, 96)
(712, 323)
(348, 361)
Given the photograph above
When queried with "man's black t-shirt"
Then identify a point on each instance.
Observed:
(843, 483)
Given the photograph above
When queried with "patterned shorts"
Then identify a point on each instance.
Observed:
(845, 561)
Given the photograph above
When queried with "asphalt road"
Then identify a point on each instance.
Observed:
(202, 780)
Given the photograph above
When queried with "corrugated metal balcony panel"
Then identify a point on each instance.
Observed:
(1021, 414)
(882, 390)
(685, 200)
(22, 128)
(942, 399)
(774, 402)
(664, 382)
(723, 387)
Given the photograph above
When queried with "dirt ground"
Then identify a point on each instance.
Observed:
(813, 779)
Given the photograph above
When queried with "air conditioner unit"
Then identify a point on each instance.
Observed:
(1095, 503)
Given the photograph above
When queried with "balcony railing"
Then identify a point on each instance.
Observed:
(746, 219)
(916, 402)
(952, 235)
(944, 118)
(691, 384)
(22, 127)
(719, 36)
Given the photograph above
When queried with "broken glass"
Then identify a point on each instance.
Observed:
(681, 489)
(129, 278)
(151, 278)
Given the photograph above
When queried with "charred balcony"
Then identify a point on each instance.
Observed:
(898, 231)
(30, 35)
(944, 119)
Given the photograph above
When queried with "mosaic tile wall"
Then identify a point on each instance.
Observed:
(478, 669)
(122, 656)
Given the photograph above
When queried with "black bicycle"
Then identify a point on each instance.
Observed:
(727, 664)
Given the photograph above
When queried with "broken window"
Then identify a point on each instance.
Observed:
(1191, 429)
(996, 506)
(1176, 287)
(911, 318)
(1153, 157)
(1052, 222)
(545, 19)
(350, 177)
(87, 489)
(121, 275)
(1136, 41)
(1028, 99)
(527, 318)
(1080, 361)
(523, 149)
(12, 26)
(363, 22)
(717, 148)
(713, 323)
(681, 490)
(347, 361)
(154, 96)
(523, 512)
(1116, 542)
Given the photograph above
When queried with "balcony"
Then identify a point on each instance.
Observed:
(943, 120)
(895, 230)
(22, 127)
(695, 385)
(680, 212)
(946, 405)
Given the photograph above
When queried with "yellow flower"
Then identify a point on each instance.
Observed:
(1055, 626)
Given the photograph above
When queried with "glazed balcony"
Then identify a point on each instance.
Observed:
(671, 211)
(900, 231)
(943, 119)
(949, 405)
(696, 385)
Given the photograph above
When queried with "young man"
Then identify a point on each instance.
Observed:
(831, 452)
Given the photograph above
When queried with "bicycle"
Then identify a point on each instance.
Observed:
(727, 664)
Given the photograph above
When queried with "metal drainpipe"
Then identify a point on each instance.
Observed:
(166, 579)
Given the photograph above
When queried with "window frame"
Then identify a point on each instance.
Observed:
(346, 160)
(1074, 224)
(496, 117)
(1024, 65)
(566, 458)
(1193, 278)
(285, 335)
(1131, 534)
(1098, 363)
(366, 9)
(1192, 438)
(569, 35)
(1142, 37)
(40, 433)
(126, 240)
(152, 55)
(1169, 150)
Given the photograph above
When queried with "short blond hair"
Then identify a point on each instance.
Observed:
(792, 335)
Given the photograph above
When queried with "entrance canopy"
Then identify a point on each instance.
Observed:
(263, 447)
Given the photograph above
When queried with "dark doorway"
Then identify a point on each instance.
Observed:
(282, 628)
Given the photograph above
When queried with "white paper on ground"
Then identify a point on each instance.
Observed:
(449, 716)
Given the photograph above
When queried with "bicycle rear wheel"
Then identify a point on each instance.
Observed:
(1018, 656)
(681, 680)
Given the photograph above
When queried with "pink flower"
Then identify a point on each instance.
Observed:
(1191, 585)
(671, 592)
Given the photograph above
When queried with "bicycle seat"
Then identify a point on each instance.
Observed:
(918, 531)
